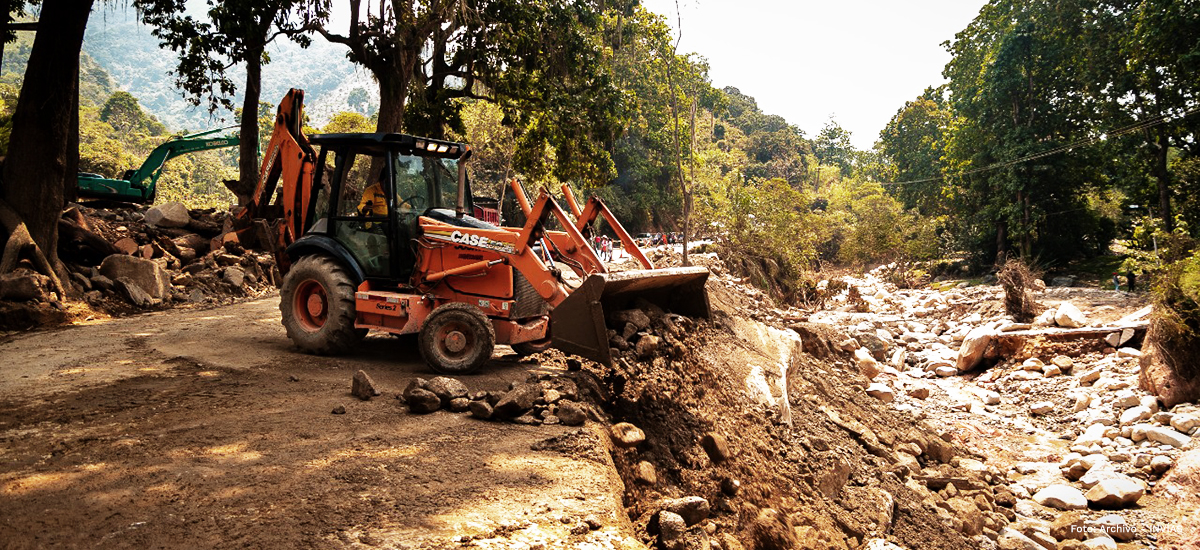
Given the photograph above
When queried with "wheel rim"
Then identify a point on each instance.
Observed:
(311, 305)
(455, 340)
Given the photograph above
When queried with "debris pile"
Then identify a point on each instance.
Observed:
(125, 259)
(1085, 445)
(541, 399)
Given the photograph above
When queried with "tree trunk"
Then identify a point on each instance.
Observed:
(1001, 242)
(1162, 176)
(393, 92)
(248, 133)
(37, 167)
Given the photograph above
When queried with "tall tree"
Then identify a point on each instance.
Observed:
(236, 31)
(43, 155)
(913, 143)
(541, 62)
(832, 147)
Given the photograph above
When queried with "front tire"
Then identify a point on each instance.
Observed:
(456, 338)
(317, 303)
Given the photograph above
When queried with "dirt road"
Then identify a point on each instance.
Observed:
(205, 429)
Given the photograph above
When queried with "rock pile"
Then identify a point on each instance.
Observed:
(541, 399)
(1077, 385)
(124, 259)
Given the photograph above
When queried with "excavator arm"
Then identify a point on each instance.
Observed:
(289, 164)
(141, 185)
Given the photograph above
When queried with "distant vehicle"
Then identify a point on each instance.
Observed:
(643, 239)
(140, 186)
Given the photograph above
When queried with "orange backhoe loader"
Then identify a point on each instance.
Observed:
(372, 231)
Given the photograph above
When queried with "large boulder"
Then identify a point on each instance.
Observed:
(171, 214)
(973, 347)
(1069, 316)
(147, 275)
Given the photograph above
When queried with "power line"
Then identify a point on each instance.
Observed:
(1135, 127)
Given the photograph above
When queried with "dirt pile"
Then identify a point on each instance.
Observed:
(124, 259)
(755, 437)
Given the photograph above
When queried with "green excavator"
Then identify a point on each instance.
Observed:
(140, 185)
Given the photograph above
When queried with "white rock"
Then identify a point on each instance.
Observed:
(1041, 407)
(1089, 376)
(1184, 422)
(1150, 402)
(1011, 538)
(1092, 435)
(973, 346)
(1051, 370)
(1082, 400)
(1139, 432)
(1126, 398)
(866, 364)
(170, 214)
(1069, 316)
(1115, 492)
(881, 392)
(1061, 497)
(1135, 414)
(1046, 319)
(1129, 352)
(1033, 363)
(945, 371)
(1167, 436)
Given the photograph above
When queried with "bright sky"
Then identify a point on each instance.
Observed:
(855, 60)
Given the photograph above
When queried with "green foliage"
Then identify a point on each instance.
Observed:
(123, 113)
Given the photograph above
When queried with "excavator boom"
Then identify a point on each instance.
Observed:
(141, 185)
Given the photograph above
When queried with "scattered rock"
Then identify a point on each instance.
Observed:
(171, 214)
(716, 446)
(340, 409)
(1069, 316)
(459, 404)
(627, 435)
(881, 391)
(423, 401)
(480, 409)
(1041, 407)
(146, 274)
(973, 347)
(1061, 497)
(1116, 527)
(362, 387)
(517, 401)
(1068, 526)
(693, 510)
(447, 389)
(1115, 493)
(671, 528)
(571, 413)
(1167, 436)
(918, 392)
(134, 293)
(645, 473)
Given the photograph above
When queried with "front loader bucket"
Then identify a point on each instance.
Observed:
(577, 325)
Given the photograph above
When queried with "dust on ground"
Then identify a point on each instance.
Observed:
(205, 429)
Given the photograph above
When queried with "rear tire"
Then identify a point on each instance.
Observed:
(317, 303)
(457, 338)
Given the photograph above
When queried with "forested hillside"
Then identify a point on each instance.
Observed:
(1041, 145)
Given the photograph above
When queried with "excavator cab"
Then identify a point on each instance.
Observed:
(369, 194)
